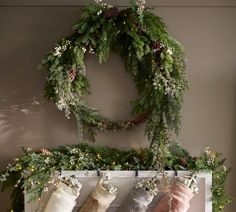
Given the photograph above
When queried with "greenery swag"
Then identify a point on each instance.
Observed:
(155, 60)
(34, 170)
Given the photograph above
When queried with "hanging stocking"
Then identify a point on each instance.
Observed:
(101, 198)
(141, 196)
(63, 199)
(178, 199)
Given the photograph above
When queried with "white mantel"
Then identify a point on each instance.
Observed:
(124, 181)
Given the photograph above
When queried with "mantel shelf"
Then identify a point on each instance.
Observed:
(124, 181)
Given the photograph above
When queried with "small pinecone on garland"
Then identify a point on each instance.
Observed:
(72, 74)
(183, 162)
(111, 12)
(156, 46)
(45, 151)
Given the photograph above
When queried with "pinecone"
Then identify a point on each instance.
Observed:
(156, 46)
(183, 162)
(72, 74)
(111, 12)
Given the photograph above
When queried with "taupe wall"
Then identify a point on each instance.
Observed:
(206, 30)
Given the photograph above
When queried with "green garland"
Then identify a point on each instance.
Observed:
(34, 170)
(155, 60)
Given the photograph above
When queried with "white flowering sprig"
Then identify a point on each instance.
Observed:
(210, 155)
(99, 12)
(169, 51)
(84, 49)
(141, 6)
(62, 103)
(103, 4)
(6, 174)
(60, 48)
(164, 82)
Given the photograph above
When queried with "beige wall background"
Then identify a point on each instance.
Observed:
(207, 29)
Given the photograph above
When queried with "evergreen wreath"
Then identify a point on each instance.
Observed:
(155, 60)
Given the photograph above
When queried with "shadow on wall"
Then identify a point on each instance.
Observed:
(25, 123)
(27, 119)
(15, 125)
